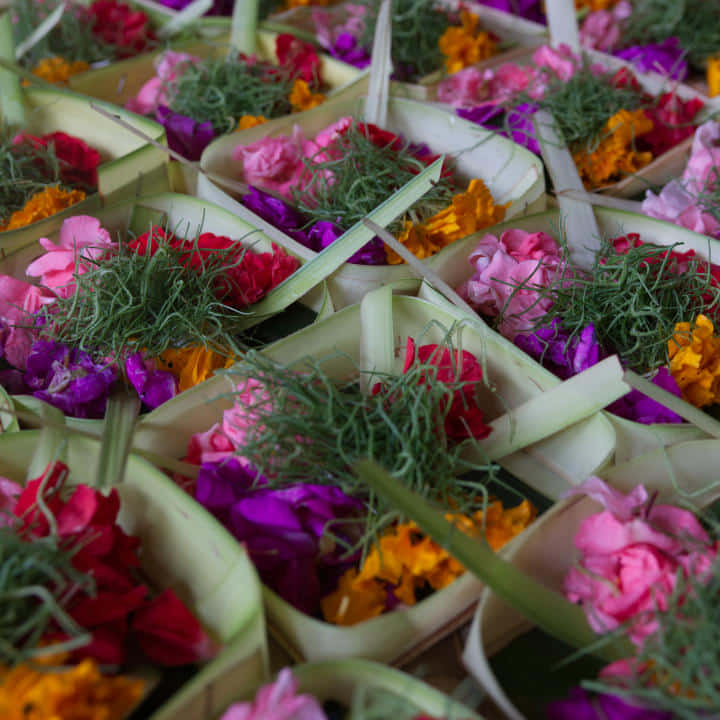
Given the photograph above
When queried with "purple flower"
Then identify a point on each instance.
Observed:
(324, 233)
(642, 409)
(528, 9)
(184, 135)
(564, 357)
(581, 705)
(666, 58)
(219, 7)
(277, 213)
(68, 379)
(515, 123)
(283, 528)
(346, 48)
(153, 386)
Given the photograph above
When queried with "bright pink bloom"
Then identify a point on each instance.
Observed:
(18, 301)
(500, 266)
(210, 446)
(81, 238)
(273, 163)
(251, 402)
(277, 701)
(561, 60)
(168, 67)
(601, 29)
(9, 493)
(676, 205)
(703, 167)
(465, 88)
(630, 555)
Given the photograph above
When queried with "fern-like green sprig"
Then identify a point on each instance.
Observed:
(583, 104)
(127, 302)
(417, 26)
(220, 91)
(361, 176)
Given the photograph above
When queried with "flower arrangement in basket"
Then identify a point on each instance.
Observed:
(47, 169)
(616, 125)
(429, 38)
(645, 575)
(95, 623)
(347, 689)
(177, 297)
(199, 99)
(56, 41)
(681, 42)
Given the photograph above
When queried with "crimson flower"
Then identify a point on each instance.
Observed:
(298, 58)
(118, 24)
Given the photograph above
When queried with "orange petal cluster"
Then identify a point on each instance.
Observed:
(77, 693)
(58, 70)
(615, 155)
(192, 365)
(595, 4)
(466, 44)
(405, 560)
(301, 98)
(695, 361)
(42, 205)
(713, 76)
(248, 121)
(469, 212)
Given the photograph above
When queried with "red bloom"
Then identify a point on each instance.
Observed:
(168, 632)
(625, 78)
(464, 418)
(118, 24)
(672, 122)
(88, 522)
(78, 161)
(298, 58)
(248, 275)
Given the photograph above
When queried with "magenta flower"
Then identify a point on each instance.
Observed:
(69, 379)
(284, 529)
(630, 556)
(581, 705)
(153, 386)
(277, 701)
(666, 58)
(184, 135)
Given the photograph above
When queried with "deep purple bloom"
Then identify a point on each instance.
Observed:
(581, 705)
(346, 48)
(184, 135)
(564, 357)
(528, 9)
(324, 233)
(516, 123)
(283, 528)
(219, 7)
(642, 409)
(666, 58)
(68, 379)
(154, 387)
(277, 213)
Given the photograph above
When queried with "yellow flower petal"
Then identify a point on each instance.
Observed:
(301, 98)
(58, 70)
(465, 45)
(694, 355)
(248, 121)
(713, 76)
(192, 365)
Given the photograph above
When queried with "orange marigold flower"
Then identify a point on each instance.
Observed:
(469, 212)
(77, 693)
(595, 4)
(713, 76)
(404, 561)
(466, 45)
(42, 205)
(290, 4)
(192, 365)
(615, 156)
(248, 121)
(301, 98)
(58, 70)
(695, 361)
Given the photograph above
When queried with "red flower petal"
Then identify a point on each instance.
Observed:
(107, 607)
(169, 634)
